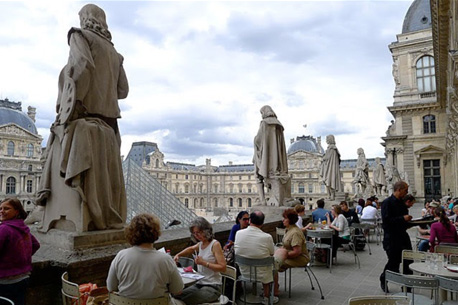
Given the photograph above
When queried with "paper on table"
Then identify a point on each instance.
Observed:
(162, 250)
(193, 276)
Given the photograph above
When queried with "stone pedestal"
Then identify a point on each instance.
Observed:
(280, 191)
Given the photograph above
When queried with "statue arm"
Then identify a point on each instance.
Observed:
(123, 85)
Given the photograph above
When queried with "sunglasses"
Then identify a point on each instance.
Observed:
(245, 219)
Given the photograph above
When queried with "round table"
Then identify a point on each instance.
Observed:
(423, 268)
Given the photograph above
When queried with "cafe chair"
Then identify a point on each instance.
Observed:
(308, 270)
(449, 285)
(377, 300)
(453, 259)
(409, 256)
(229, 279)
(414, 282)
(448, 249)
(70, 292)
(372, 225)
(186, 262)
(5, 301)
(318, 236)
(280, 234)
(116, 299)
(253, 264)
(351, 244)
(359, 231)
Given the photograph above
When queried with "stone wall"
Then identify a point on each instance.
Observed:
(92, 265)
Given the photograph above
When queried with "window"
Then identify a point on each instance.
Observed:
(186, 188)
(240, 202)
(201, 202)
(215, 188)
(426, 78)
(215, 203)
(11, 185)
(10, 149)
(29, 150)
(30, 168)
(29, 186)
(301, 188)
(429, 124)
(157, 163)
(186, 177)
(231, 202)
(186, 202)
(249, 202)
(310, 188)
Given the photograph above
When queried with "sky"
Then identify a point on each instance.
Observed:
(200, 71)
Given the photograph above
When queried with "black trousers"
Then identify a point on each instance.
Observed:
(394, 260)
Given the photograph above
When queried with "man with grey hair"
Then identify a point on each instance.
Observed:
(252, 242)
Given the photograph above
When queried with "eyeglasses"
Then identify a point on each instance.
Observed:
(245, 219)
(197, 233)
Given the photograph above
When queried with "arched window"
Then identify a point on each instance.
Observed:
(30, 168)
(186, 202)
(310, 188)
(186, 188)
(215, 203)
(426, 77)
(11, 185)
(249, 202)
(10, 148)
(429, 124)
(231, 202)
(201, 202)
(240, 202)
(29, 150)
(157, 163)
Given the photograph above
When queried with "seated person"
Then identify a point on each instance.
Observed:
(340, 225)
(241, 222)
(300, 210)
(141, 272)
(294, 252)
(349, 214)
(442, 231)
(369, 211)
(360, 206)
(425, 210)
(425, 229)
(254, 243)
(320, 213)
(210, 262)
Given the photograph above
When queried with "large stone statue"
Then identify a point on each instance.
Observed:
(82, 187)
(330, 168)
(379, 177)
(270, 163)
(361, 180)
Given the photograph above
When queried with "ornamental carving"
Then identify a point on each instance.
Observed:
(452, 130)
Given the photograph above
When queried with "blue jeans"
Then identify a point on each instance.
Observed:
(423, 246)
(15, 292)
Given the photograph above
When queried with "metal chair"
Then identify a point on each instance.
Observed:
(359, 230)
(318, 235)
(308, 269)
(414, 282)
(449, 285)
(410, 255)
(70, 291)
(5, 301)
(253, 264)
(351, 245)
(449, 249)
(116, 299)
(377, 300)
(186, 262)
(372, 224)
(280, 234)
(229, 275)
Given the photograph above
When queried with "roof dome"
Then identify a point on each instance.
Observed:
(306, 144)
(8, 116)
(418, 17)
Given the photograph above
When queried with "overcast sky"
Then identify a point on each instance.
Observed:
(200, 71)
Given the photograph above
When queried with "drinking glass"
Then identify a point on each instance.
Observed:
(428, 260)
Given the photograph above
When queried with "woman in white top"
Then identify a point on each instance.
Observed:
(369, 211)
(210, 262)
(141, 272)
(340, 225)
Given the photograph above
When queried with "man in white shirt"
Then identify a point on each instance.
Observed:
(252, 242)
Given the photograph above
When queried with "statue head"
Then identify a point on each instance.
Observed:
(93, 18)
(330, 139)
(377, 160)
(266, 111)
(360, 151)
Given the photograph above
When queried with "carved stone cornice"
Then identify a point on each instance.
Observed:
(414, 107)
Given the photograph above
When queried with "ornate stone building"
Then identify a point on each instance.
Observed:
(20, 153)
(234, 186)
(415, 141)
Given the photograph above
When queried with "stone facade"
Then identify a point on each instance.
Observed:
(415, 141)
(20, 153)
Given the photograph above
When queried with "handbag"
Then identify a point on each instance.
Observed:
(229, 255)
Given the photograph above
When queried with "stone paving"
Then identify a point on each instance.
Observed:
(346, 280)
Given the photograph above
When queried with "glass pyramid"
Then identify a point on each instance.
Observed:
(146, 195)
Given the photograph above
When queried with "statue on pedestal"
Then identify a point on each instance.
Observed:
(270, 163)
(82, 187)
(330, 168)
(361, 180)
(379, 177)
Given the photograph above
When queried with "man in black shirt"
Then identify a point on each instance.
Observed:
(350, 214)
(395, 217)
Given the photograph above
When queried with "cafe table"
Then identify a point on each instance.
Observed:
(189, 278)
(423, 268)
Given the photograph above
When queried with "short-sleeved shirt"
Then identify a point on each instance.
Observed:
(295, 237)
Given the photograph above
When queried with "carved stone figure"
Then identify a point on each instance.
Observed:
(270, 163)
(379, 177)
(82, 187)
(330, 168)
(392, 176)
(361, 180)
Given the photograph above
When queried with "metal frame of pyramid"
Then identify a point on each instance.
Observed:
(147, 195)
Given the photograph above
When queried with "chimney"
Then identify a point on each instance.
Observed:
(230, 162)
(291, 141)
(31, 112)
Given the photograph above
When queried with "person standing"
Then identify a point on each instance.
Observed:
(395, 218)
(17, 246)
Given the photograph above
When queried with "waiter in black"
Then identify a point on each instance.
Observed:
(395, 217)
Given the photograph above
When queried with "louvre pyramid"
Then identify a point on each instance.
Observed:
(146, 195)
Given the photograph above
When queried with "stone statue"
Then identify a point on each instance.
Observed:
(82, 187)
(330, 168)
(379, 177)
(392, 176)
(361, 180)
(270, 163)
